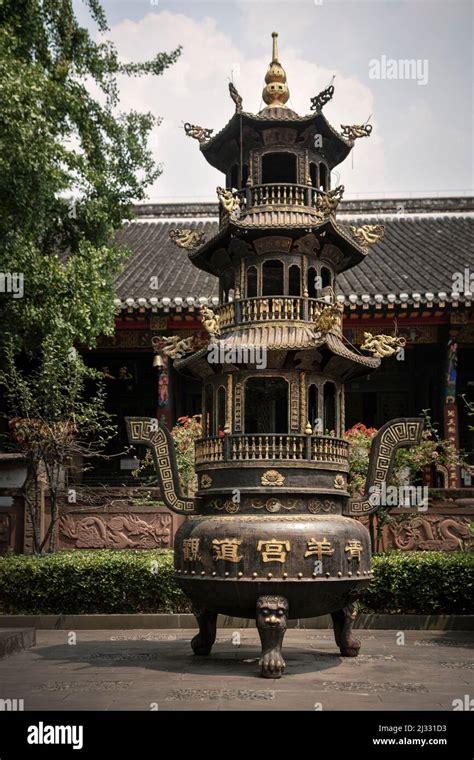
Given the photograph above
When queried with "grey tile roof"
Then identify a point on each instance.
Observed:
(153, 254)
(418, 254)
(415, 255)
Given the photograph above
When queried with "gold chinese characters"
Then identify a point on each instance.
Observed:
(319, 548)
(191, 549)
(273, 550)
(227, 549)
(269, 550)
(354, 547)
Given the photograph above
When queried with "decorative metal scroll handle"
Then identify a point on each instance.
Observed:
(149, 432)
(403, 431)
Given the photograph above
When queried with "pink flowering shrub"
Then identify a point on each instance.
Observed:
(185, 433)
(408, 463)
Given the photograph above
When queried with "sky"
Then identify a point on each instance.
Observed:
(422, 138)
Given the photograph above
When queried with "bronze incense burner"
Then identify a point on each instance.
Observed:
(271, 533)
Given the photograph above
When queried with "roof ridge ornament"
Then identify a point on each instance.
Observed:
(210, 320)
(368, 234)
(353, 131)
(327, 203)
(382, 345)
(199, 133)
(276, 92)
(236, 97)
(230, 201)
(323, 97)
(186, 238)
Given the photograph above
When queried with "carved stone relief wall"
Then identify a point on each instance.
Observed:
(440, 528)
(115, 518)
(136, 530)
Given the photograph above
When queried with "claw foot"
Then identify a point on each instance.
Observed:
(272, 664)
(272, 615)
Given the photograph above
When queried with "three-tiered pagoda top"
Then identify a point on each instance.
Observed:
(279, 249)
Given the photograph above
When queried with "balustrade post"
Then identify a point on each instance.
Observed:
(226, 449)
(308, 448)
(248, 196)
(305, 310)
(237, 312)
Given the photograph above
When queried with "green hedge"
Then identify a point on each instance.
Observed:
(90, 582)
(127, 582)
(421, 583)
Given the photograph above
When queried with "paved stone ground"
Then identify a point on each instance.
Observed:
(144, 670)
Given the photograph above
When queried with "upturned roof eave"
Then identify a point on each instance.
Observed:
(211, 147)
(353, 252)
(356, 364)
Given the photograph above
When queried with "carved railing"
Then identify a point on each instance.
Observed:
(326, 448)
(276, 195)
(208, 450)
(268, 309)
(273, 308)
(272, 447)
(280, 194)
(254, 448)
(269, 195)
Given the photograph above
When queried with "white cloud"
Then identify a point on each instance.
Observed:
(195, 90)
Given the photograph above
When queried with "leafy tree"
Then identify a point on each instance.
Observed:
(56, 419)
(72, 165)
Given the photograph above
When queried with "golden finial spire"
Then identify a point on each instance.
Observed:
(275, 92)
(275, 47)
